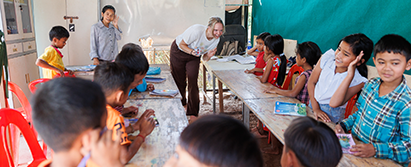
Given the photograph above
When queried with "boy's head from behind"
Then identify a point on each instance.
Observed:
(58, 36)
(310, 143)
(217, 140)
(132, 56)
(115, 81)
(392, 55)
(65, 108)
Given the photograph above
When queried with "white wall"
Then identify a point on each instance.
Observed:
(163, 20)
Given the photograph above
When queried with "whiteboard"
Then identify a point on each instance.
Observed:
(162, 20)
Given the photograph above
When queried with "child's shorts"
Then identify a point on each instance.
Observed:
(335, 114)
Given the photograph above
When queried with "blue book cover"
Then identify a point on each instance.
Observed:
(285, 108)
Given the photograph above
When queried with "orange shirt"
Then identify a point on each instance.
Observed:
(115, 122)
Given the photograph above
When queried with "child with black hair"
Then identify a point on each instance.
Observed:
(328, 96)
(308, 54)
(116, 81)
(274, 72)
(104, 36)
(69, 114)
(310, 143)
(132, 56)
(52, 60)
(262, 58)
(216, 140)
(382, 121)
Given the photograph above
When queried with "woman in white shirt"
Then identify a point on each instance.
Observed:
(185, 54)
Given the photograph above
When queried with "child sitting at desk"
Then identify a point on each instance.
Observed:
(308, 142)
(328, 97)
(51, 61)
(218, 141)
(69, 114)
(115, 80)
(132, 56)
(274, 72)
(308, 54)
(382, 121)
(262, 58)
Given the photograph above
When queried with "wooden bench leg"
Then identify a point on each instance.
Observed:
(204, 84)
(220, 96)
(213, 93)
(246, 116)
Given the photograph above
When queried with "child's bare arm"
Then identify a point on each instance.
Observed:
(267, 71)
(128, 151)
(252, 51)
(344, 92)
(254, 70)
(312, 81)
(43, 64)
(295, 91)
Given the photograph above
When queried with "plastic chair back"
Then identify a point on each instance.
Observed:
(32, 84)
(290, 74)
(10, 116)
(350, 105)
(26, 108)
(66, 74)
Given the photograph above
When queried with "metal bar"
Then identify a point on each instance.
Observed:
(246, 116)
(213, 93)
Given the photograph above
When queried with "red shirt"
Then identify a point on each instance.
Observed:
(260, 63)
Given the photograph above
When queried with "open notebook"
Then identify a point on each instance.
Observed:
(239, 59)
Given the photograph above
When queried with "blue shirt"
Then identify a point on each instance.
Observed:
(103, 41)
(383, 121)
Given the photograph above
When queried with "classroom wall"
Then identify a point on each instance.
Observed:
(327, 22)
(162, 20)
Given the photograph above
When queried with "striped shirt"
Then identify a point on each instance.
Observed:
(103, 41)
(383, 121)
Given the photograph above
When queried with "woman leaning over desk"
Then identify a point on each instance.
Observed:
(185, 53)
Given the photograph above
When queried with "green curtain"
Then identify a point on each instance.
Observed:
(4, 62)
(326, 22)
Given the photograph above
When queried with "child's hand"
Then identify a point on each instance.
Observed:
(96, 61)
(150, 87)
(104, 151)
(247, 71)
(269, 91)
(363, 150)
(338, 129)
(147, 114)
(132, 110)
(61, 72)
(356, 62)
(115, 21)
(147, 125)
(322, 115)
(70, 72)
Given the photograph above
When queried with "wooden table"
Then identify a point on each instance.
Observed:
(277, 124)
(161, 143)
(214, 65)
(169, 83)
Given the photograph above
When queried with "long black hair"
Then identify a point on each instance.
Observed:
(275, 43)
(310, 51)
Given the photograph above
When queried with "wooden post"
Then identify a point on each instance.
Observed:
(220, 96)
(204, 84)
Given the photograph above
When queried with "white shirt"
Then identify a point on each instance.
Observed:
(195, 37)
(329, 81)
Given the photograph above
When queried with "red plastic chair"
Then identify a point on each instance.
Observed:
(66, 74)
(10, 116)
(292, 71)
(32, 84)
(26, 109)
(350, 105)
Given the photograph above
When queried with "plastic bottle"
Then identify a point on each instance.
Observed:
(249, 46)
